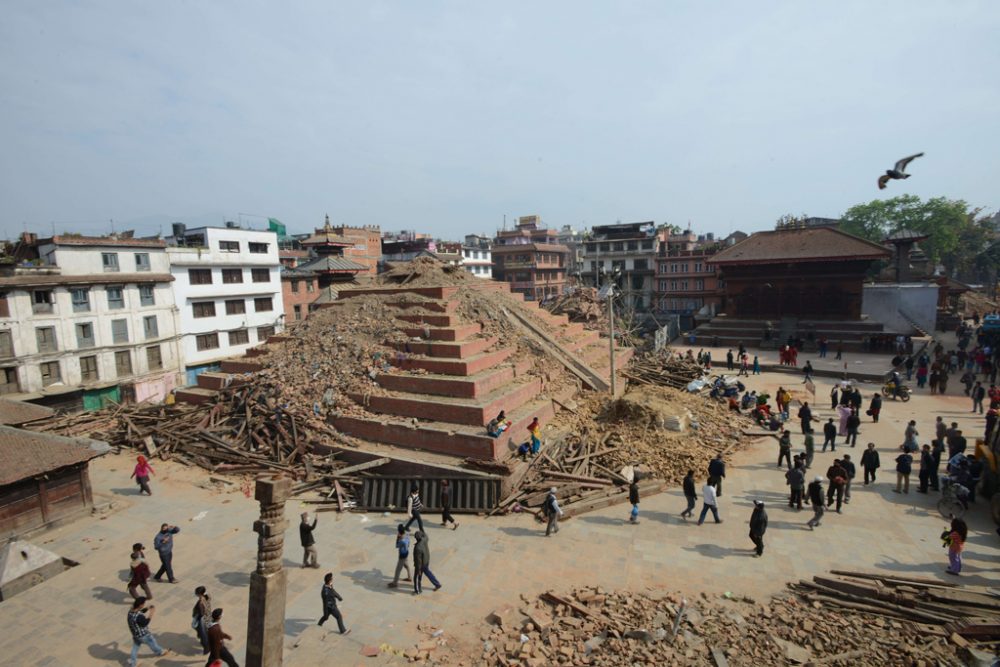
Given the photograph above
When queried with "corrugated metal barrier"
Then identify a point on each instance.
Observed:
(468, 494)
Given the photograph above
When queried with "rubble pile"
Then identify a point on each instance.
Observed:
(664, 369)
(975, 302)
(599, 442)
(592, 626)
(424, 272)
(581, 305)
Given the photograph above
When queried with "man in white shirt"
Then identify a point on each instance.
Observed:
(711, 503)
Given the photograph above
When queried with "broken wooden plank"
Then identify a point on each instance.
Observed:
(350, 470)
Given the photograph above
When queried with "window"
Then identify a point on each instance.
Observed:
(50, 373)
(200, 276)
(618, 247)
(236, 307)
(259, 248)
(110, 261)
(231, 276)
(119, 331)
(207, 341)
(697, 267)
(699, 284)
(633, 245)
(647, 245)
(123, 363)
(116, 298)
(85, 335)
(229, 246)
(239, 337)
(263, 333)
(298, 312)
(150, 327)
(46, 337)
(154, 358)
(641, 265)
(260, 275)
(263, 304)
(6, 344)
(684, 285)
(88, 369)
(142, 261)
(673, 285)
(310, 285)
(8, 381)
(295, 286)
(204, 309)
(4, 306)
(80, 297)
(663, 285)
(605, 247)
(41, 301)
(146, 295)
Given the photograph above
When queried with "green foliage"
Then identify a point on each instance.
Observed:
(788, 221)
(957, 235)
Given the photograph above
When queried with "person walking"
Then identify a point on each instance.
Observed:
(848, 465)
(805, 416)
(403, 554)
(446, 516)
(816, 500)
(138, 619)
(870, 463)
(535, 429)
(689, 494)
(729, 360)
(875, 407)
(139, 573)
(838, 480)
(756, 365)
(978, 394)
(633, 499)
(937, 449)
(926, 463)
(744, 367)
(330, 598)
(853, 423)
(709, 503)
(758, 526)
(834, 398)
(809, 443)
(310, 557)
(910, 437)
(422, 563)
(551, 511)
(201, 617)
(796, 481)
(830, 435)
(217, 637)
(955, 541)
(164, 545)
(716, 473)
(414, 506)
(142, 472)
(904, 463)
(785, 449)
(808, 371)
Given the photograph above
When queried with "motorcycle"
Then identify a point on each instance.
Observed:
(889, 390)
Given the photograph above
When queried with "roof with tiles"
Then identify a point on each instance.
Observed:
(790, 246)
(19, 412)
(25, 454)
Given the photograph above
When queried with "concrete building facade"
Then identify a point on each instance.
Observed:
(85, 320)
(530, 259)
(478, 261)
(227, 287)
(625, 253)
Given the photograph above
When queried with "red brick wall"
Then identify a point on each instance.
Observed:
(302, 298)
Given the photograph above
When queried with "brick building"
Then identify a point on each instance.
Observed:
(529, 258)
(686, 282)
(365, 248)
(330, 251)
(299, 289)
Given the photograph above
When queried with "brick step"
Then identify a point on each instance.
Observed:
(471, 386)
(831, 334)
(449, 334)
(467, 411)
(580, 341)
(444, 350)
(439, 293)
(463, 367)
(195, 395)
(570, 329)
(429, 306)
(462, 441)
(724, 342)
(434, 320)
(240, 366)
(217, 381)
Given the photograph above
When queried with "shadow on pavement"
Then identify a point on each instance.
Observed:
(936, 570)
(112, 652)
(382, 529)
(130, 491)
(182, 644)
(295, 626)
(605, 520)
(112, 595)
(235, 579)
(517, 531)
(373, 579)
(715, 551)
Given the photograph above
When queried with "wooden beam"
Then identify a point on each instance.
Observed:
(350, 470)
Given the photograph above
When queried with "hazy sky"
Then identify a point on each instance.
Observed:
(445, 116)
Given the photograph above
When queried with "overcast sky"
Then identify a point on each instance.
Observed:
(445, 116)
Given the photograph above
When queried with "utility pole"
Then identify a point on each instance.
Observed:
(611, 336)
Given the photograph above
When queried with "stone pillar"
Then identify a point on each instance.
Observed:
(266, 614)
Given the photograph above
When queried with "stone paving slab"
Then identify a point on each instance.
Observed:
(78, 618)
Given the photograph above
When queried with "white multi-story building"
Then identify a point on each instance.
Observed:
(87, 320)
(478, 261)
(227, 286)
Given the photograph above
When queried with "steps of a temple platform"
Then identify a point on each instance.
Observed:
(445, 350)
(467, 411)
(458, 332)
(437, 320)
(468, 366)
(470, 386)
(445, 438)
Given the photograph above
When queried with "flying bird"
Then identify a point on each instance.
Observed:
(898, 172)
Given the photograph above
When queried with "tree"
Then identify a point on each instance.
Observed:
(956, 234)
(789, 220)
(673, 230)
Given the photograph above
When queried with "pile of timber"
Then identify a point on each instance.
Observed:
(244, 431)
(663, 369)
(594, 626)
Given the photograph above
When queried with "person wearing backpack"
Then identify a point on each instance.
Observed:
(552, 512)
(201, 617)
(403, 551)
